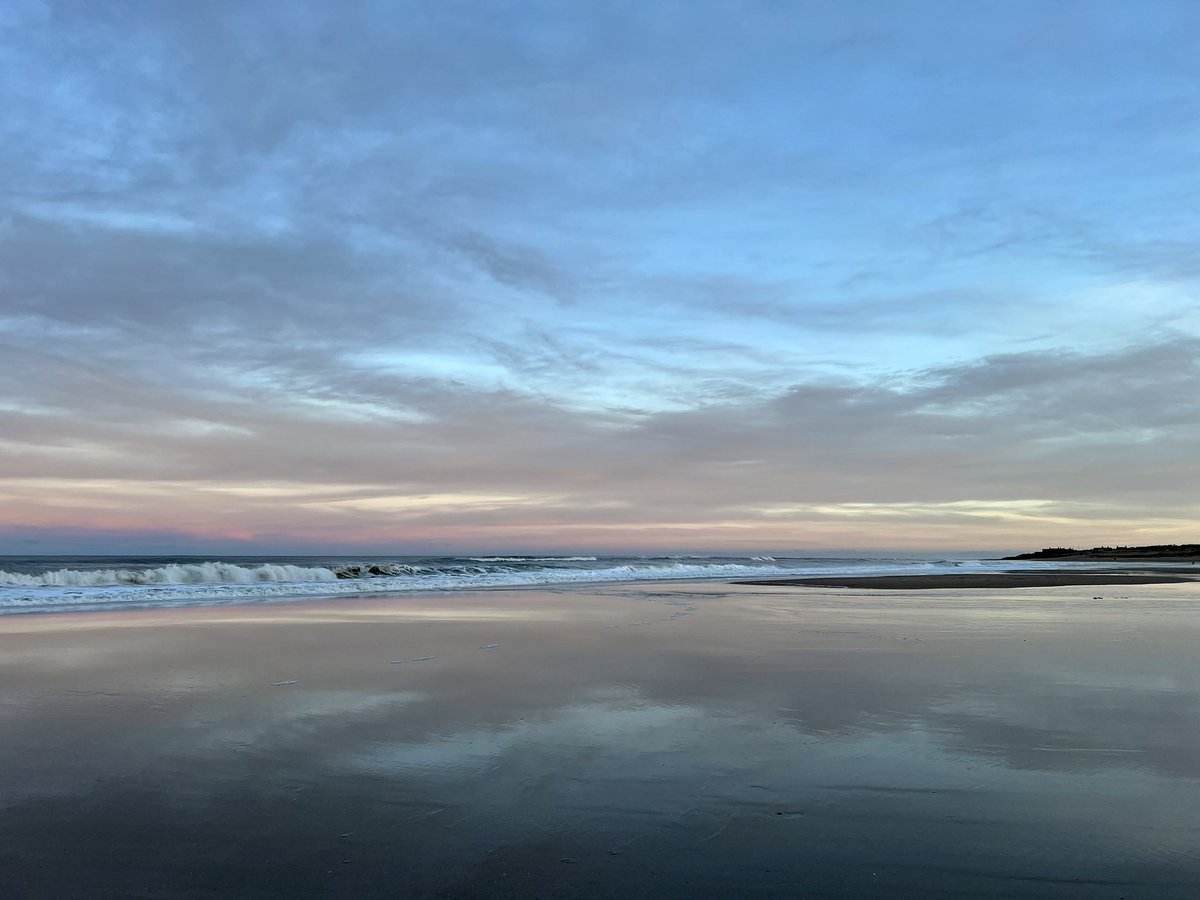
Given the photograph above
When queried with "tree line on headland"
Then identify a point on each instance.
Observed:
(1151, 551)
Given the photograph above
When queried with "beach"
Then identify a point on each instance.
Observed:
(994, 580)
(667, 739)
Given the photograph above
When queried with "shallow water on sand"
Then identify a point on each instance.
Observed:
(668, 740)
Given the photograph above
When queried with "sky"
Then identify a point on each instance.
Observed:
(605, 276)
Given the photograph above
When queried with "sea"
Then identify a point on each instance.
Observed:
(74, 583)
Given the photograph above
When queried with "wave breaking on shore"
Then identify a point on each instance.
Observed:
(58, 584)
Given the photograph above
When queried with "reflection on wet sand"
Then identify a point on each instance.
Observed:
(682, 740)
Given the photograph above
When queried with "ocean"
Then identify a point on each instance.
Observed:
(71, 583)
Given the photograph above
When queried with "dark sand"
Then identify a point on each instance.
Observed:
(667, 740)
(990, 580)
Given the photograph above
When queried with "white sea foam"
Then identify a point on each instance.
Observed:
(192, 573)
(224, 582)
(528, 559)
(210, 583)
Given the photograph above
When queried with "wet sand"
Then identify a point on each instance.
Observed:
(667, 740)
(990, 580)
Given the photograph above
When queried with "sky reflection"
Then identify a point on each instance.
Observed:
(812, 733)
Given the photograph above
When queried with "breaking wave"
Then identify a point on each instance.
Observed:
(50, 584)
(523, 559)
(190, 573)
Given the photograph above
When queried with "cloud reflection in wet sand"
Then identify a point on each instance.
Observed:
(773, 740)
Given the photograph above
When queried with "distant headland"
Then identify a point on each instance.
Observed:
(1152, 551)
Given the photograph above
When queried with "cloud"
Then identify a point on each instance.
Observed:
(592, 259)
(1080, 436)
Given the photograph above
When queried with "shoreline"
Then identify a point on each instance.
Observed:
(85, 585)
(984, 580)
(1004, 580)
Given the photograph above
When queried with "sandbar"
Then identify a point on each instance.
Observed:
(989, 580)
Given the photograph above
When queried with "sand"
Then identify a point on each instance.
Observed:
(666, 740)
(990, 580)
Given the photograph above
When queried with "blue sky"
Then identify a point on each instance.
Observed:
(598, 275)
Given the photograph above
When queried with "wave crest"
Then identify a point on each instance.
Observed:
(191, 573)
(528, 559)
